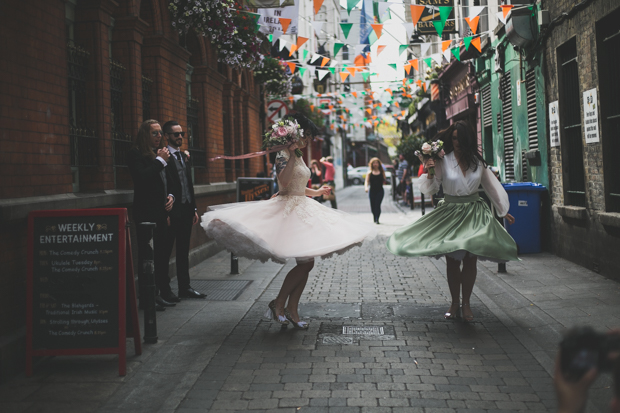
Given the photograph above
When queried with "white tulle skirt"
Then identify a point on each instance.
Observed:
(284, 227)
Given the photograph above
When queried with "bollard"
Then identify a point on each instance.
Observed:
(234, 264)
(501, 267)
(149, 290)
(422, 204)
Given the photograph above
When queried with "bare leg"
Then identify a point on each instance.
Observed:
(296, 277)
(295, 296)
(454, 283)
(468, 279)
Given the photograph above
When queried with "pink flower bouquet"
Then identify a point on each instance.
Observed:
(431, 150)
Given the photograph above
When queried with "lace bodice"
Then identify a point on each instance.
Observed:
(301, 174)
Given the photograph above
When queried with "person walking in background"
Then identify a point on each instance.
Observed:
(152, 202)
(374, 186)
(401, 173)
(316, 178)
(462, 227)
(329, 174)
(183, 214)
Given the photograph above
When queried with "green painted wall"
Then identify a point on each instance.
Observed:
(486, 75)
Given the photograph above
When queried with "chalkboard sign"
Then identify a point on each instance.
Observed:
(76, 283)
(254, 189)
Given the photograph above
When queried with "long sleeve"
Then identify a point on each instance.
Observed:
(431, 186)
(496, 192)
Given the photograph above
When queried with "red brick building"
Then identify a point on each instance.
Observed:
(77, 78)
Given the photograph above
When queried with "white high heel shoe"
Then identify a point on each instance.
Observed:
(271, 314)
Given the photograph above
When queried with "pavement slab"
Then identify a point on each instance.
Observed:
(377, 340)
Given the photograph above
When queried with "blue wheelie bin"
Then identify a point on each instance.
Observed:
(525, 206)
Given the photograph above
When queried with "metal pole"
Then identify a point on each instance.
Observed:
(234, 264)
(149, 290)
(422, 204)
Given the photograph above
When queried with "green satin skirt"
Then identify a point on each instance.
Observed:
(457, 227)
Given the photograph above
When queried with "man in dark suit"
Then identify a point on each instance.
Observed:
(151, 203)
(184, 213)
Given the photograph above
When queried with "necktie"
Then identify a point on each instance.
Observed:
(178, 154)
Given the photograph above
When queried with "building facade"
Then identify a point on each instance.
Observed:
(78, 79)
(580, 46)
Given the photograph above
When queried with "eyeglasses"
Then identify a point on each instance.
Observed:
(157, 133)
(176, 134)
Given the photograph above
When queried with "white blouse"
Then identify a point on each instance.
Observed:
(448, 173)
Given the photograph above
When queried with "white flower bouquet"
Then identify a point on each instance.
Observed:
(283, 133)
(431, 150)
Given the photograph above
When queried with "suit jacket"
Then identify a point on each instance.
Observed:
(149, 194)
(174, 184)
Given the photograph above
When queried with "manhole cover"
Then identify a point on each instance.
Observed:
(363, 330)
(337, 340)
(220, 290)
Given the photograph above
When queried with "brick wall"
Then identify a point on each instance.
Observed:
(585, 241)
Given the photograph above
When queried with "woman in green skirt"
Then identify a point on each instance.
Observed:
(462, 227)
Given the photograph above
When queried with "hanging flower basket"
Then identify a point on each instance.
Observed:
(231, 31)
(272, 74)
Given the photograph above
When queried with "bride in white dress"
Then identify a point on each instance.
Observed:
(290, 225)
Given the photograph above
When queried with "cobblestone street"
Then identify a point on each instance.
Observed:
(377, 340)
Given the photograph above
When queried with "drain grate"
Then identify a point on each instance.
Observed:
(363, 330)
(220, 290)
(337, 340)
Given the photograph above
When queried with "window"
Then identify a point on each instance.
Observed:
(608, 44)
(532, 118)
(487, 125)
(570, 125)
(198, 155)
(509, 141)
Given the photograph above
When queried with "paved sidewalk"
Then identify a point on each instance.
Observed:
(377, 340)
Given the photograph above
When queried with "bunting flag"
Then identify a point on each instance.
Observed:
(445, 44)
(354, 94)
(343, 75)
(392, 65)
(457, 53)
(293, 49)
(322, 73)
(275, 36)
(314, 58)
(337, 47)
(416, 13)
(424, 48)
(438, 58)
(506, 9)
(291, 66)
(352, 70)
(318, 26)
(447, 54)
(418, 82)
(300, 41)
(312, 107)
(365, 76)
(402, 48)
(500, 17)
(346, 28)
(369, 111)
(324, 61)
(475, 11)
(409, 29)
(429, 62)
(383, 7)
(396, 104)
(476, 43)
(414, 64)
(285, 23)
(407, 68)
(302, 70)
(351, 4)
(444, 12)
(304, 54)
(377, 29)
(333, 70)
(389, 91)
(317, 5)
(467, 42)
(379, 50)
(473, 23)
(439, 27)
(282, 44)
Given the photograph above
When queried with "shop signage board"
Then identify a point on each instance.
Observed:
(79, 301)
(425, 24)
(254, 189)
(590, 116)
(554, 123)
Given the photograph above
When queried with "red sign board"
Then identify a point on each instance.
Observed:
(80, 282)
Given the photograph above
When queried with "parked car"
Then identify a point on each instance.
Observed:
(357, 176)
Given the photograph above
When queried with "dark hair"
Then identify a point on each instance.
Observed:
(468, 143)
(167, 128)
(616, 373)
(143, 139)
(310, 129)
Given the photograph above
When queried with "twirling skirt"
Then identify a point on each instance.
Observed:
(458, 227)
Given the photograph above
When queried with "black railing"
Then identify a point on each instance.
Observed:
(84, 143)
